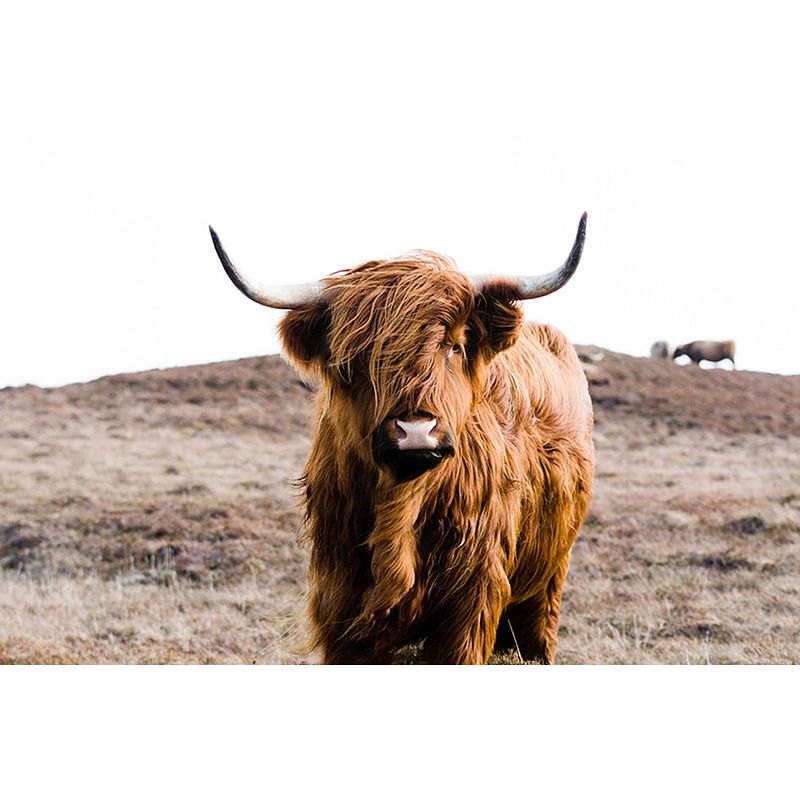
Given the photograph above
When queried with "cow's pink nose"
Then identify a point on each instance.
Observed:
(416, 434)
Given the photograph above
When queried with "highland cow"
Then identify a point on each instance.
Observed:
(452, 462)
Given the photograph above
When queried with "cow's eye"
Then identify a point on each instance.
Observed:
(457, 349)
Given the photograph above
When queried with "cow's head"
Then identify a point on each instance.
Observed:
(679, 351)
(401, 347)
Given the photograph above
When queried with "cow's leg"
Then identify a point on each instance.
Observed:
(467, 626)
(534, 621)
(339, 648)
(530, 629)
(356, 652)
(505, 637)
(333, 605)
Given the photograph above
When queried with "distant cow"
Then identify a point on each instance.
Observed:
(590, 361)
(595, 374)
(707, 351)
(452, 462)
(659, 350)
(591, 358)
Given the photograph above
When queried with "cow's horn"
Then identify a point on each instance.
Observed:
(530, 286)
(290, 296)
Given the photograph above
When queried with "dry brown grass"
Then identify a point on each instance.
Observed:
(687, 565)
(151, 518)
(64, 620)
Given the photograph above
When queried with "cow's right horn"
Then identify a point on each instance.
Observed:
(289, 296)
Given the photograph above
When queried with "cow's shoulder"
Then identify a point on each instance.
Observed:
(551, 338)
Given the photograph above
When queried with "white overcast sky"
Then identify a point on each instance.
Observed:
(315, 136)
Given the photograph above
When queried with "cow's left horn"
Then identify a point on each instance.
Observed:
(530, 286)
(290, 296)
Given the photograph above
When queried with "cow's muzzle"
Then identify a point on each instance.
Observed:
(412, 445)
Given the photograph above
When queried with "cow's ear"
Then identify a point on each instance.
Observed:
(498, 319)
(304, 333)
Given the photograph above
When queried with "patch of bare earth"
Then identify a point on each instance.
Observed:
(152, 518)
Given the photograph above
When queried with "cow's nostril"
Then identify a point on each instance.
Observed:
(416, 434)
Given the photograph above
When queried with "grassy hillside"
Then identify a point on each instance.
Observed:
(152, 518)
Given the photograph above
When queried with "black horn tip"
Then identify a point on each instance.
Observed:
(580, 237)
(223, 256)
(226, 262)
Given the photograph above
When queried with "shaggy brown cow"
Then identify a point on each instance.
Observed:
(452, 462)
(707, 351)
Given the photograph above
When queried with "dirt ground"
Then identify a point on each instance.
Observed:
(152, 518)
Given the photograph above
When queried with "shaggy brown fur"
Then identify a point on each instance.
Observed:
(479, 546)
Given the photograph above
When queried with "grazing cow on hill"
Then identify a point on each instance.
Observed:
(707, 351)
(595, 374)
(452, 462)
(659, 350)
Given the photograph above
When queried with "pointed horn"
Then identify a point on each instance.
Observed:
(530, 286)
(290, 296)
